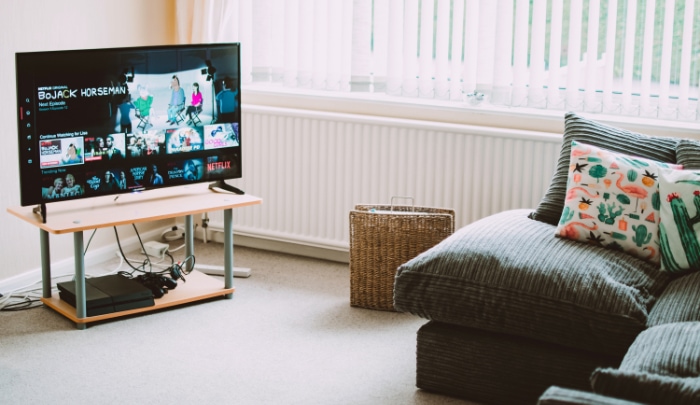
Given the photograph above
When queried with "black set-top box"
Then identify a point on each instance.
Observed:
(107, 294)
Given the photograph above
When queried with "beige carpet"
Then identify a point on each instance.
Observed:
(289, 336)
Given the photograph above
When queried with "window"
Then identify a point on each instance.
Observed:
(627, 57)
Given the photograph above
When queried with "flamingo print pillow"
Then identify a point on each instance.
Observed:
(612, 200)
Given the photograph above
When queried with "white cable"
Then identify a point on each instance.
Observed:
(173, 233)
(34, 290)
(22, 293)
(177, 248)
(25, 293)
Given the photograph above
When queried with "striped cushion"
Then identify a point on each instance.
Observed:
(661, 367)
(497, 368)
(645, 387)
(688, 154)
(567, 396)
(507, 273)
(586, 131)
(680, 302)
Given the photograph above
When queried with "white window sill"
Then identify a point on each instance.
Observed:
(376, 104)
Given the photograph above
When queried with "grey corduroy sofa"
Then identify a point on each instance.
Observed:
(516, 314)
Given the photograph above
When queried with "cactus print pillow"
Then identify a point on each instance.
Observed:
(679, 229)
(612, 200)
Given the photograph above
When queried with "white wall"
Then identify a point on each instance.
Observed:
(38, 25)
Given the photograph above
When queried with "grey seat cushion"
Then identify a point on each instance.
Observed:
(566, 396)
(680, 302)
(662, 366)
(508, 273)
(498, 368)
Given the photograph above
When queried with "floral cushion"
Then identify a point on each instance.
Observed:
(612, 200)
(679, 231)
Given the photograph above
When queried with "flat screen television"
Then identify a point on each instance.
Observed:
(98, 122)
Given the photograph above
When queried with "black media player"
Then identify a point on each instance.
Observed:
(107, 294)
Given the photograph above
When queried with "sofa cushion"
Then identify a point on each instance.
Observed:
(577, 128)
(662, 366)
(612, 200)
(679, 302)
(679, 238)
(688, 154)
(508, 273)
(498, 368)
(566, 396)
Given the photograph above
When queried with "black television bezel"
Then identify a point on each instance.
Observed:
(206, 61)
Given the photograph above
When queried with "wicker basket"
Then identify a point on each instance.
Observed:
(382, 237)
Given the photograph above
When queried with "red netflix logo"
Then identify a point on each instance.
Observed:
(218, 166)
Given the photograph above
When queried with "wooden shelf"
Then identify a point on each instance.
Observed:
(199, 286)
(77, 216)
(125, 209)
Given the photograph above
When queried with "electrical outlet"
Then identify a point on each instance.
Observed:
(154, 248)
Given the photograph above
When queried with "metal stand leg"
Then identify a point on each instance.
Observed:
(45, 264)
(189, 241)
(80, 305)
(216, 270)
(228, 250)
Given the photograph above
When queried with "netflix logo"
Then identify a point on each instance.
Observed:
(215, 166)
(221, 166)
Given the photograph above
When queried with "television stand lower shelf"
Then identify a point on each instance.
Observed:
(75, 217)
(198, 287)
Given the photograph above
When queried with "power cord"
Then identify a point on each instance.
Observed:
(21, 302)
(25, 297)
(160, 281)
(29, 296)
(146, 262)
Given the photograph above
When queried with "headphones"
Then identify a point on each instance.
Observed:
(177, 272)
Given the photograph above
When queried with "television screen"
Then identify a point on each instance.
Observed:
(108, 121)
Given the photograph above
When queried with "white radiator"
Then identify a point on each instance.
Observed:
(312, 168)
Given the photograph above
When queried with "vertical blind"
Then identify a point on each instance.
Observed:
(627, 57)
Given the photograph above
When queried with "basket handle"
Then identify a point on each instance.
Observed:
(413, 206)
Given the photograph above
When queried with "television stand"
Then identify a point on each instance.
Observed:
(76, 216)
(225, 186)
